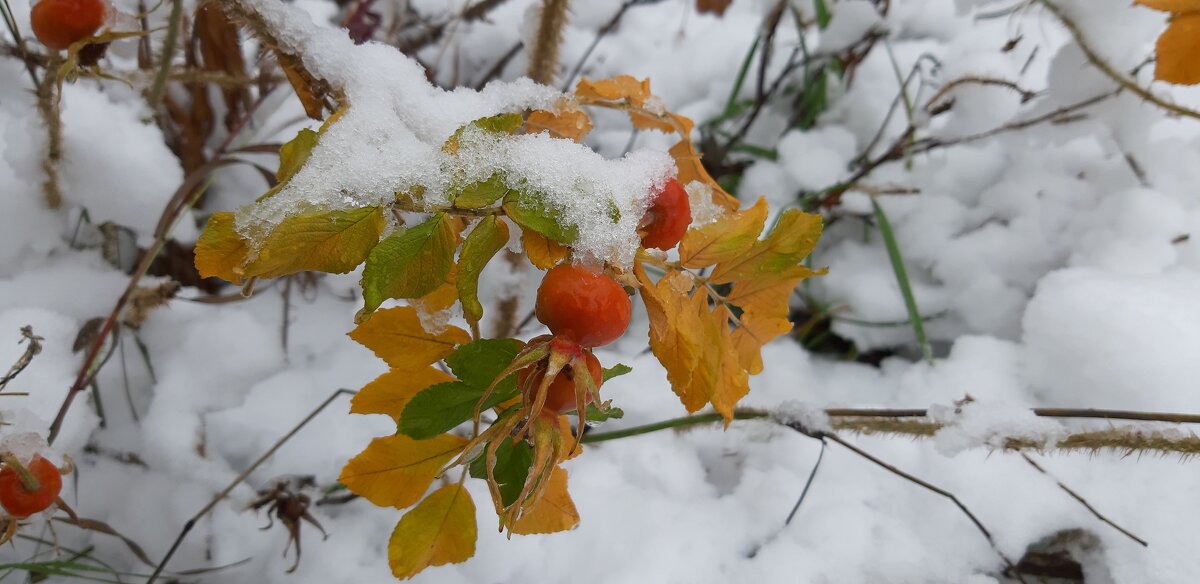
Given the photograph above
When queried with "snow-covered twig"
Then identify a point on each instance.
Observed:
(1108, 69)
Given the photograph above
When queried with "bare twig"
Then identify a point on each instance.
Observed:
(191, 523)
(1108, 70)
(1083, 501)
(934, 489)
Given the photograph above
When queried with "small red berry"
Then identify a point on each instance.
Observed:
(668, 217)
(60, 23)
(560, 397)
(585, 307)
(21, 502)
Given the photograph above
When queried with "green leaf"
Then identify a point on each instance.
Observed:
(481, 194)
(325, 241)
(480, 246)
(615, 371)
(501, 123)
(440, 408)
(823, 15)
(593, 414)
(441, 530)
(531, 211)
(410, 263)
(497, 124)
(511, 469)
(477, 363)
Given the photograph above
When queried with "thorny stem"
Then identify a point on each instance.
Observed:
(915, 423)
(47, 106)
(543, 55)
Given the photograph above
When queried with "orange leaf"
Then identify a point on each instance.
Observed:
(543, 252)
(394, 471)
(728, 237)
(764, 304)
(1178, 51)
(1176, 6)
(790, 241)
(396, 336)
(621, 87)
(687, 159)
(220, 250)
(553, 513)
(390, 392)
(441, 530)
(676, 334)
(569, 122)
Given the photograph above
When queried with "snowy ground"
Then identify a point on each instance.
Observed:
(1055, 259)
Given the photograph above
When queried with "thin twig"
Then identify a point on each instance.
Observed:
(807, 484)
(185, 196)
(1083, 501)
(1108, 69)
(934, 489)
(191, 523)
(168, 54)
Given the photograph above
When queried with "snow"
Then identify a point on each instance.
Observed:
(1058, 266)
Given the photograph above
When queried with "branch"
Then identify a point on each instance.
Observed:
(1108, 70)
(915, 423)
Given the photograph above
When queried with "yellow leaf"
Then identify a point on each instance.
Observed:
(1176, 6)
(390, 392)
(732, 382)
(554, 512)
(326, 241)
(441, 530)
(569, 122)
(687, 159)
(764, 304)
(396, 336)
(1178, 51)
(790, 241)
(727, 238)
(394, 471)
(694, 343)
(673, 332)
(220, 250)
(543, 252)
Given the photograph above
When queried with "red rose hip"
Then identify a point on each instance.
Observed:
(668, 217)
(60, 23)
(582, 306)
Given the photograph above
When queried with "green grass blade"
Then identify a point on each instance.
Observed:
(910, 302)
(741, 78)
